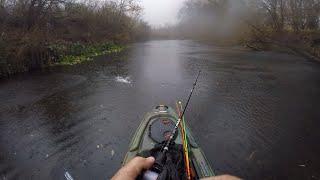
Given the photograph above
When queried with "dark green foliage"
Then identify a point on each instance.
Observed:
(38, 33)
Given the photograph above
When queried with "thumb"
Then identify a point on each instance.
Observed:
(138, 164)
(148, 162)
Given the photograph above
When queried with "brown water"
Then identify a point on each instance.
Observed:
(255, 114)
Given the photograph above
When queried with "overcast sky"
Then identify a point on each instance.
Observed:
(160, 12)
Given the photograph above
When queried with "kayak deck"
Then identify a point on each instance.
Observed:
(144, 139)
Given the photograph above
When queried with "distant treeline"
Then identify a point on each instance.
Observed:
(33, 32)
(251, 22)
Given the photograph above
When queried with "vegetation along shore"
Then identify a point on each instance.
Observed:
(41, 33)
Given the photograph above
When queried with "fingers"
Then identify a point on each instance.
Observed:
(222, 177)
(131, 170)
(138, 164)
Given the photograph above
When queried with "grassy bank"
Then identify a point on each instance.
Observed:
(78, 53)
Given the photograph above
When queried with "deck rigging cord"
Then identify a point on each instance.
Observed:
(184, 138)
(158, 165)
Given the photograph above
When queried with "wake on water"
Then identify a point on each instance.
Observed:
(121, 79)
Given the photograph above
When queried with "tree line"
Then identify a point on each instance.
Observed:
(255, 23)
(271, 15)
(296, 15)
(33, 31)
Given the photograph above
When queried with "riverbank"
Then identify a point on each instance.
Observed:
(308, 52)
(35, 35)
(39, 56)
(305, 43)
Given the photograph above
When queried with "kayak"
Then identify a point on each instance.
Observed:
(155, 128)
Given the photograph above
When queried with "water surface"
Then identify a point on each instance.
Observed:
(255, 114)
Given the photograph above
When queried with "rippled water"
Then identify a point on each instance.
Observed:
(255, 114)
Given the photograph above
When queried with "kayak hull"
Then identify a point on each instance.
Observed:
(142, 140)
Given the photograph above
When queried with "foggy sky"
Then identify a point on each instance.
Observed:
(161, 12)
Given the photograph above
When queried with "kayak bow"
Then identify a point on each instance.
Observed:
(155, 128)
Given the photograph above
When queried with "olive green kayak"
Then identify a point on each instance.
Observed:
(154, 128)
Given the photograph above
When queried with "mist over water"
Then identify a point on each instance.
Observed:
(213, 20)
(218, 21)
(161, 12)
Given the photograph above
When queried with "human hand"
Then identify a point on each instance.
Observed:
(222, 177)
(132, 170)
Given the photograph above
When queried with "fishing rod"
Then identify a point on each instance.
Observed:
(157, 167)
(166, 147)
